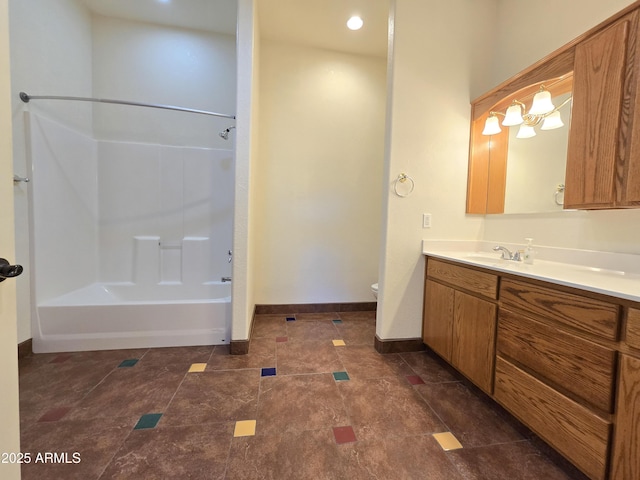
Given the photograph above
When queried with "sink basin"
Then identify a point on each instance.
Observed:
(486, 258)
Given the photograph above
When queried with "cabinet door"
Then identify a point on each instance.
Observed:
(438, 318)
(626, 460)
(474, 333)
(599, 116)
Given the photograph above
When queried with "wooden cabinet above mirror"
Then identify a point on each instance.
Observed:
(601, 68)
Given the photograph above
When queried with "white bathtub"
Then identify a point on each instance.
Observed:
(125, 315)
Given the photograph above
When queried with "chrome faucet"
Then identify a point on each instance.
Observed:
(506, 253)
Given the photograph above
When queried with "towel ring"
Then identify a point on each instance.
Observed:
(559, 191)
(402, 179)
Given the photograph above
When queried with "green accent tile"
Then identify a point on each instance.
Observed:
(150, 420)
(340, 376)
(337, 321)
(128, 363)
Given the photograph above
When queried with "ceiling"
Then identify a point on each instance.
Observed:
(317, 23)
(322, 23)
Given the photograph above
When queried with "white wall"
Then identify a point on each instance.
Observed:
(47, 58)
(162, 65)
(244, 240)
(440, 61)
(319, 175)
(615, 231)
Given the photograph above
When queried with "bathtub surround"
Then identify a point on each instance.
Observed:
(144, 243)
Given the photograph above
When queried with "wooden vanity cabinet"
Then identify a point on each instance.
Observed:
(555, 357)
(603, 157)
(459, 319)
(625, 460)
(556, 368)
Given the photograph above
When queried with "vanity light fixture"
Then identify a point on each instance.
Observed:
(542, 110)
(355, 23)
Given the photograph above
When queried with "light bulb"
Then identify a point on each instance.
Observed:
(526, 131)
(355, 23)
(542, 103)
(513, 116)
(552, 121)
(491, 126)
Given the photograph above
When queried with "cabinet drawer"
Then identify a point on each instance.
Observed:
(481, 283)
(583, 368)
(633, 328)
(570, 428)
(584, 313)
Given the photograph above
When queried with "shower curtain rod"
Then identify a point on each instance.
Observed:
(25, 98)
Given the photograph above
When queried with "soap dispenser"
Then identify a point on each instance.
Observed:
(529, 252)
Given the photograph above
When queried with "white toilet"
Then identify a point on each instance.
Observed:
(374, 289)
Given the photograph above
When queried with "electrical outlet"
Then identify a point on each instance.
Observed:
(426, 220)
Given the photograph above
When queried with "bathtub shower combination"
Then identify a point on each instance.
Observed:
(130, 241)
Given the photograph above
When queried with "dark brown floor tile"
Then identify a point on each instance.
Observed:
(57, 385)
(369, 316)
(130, 391)
(214, 396)
(317, 317)
(307, 357)
(311, 331)
(269, 326)
(196, 452)
(28, 364)
(95, 442)
(469, 416)
(379, 408)
(509, 461)
(412, 457)
(113, 356)
(183, 356)
(299, 402)
(430, 368)
(262, 353)
(358, 332)
(304, 455)
(364, 362)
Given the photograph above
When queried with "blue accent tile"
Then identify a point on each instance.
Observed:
(268, 372)
(291, 319)
(128, 363)
(340, 376)
(150, 420)
(336, 321)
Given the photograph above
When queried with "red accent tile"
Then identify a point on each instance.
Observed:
(54, 414)
(344, 435)
(415, 380)
(281, 339)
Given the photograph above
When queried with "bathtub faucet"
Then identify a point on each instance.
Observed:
(225, 279)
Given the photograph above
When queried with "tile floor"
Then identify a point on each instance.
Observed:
(298, 406)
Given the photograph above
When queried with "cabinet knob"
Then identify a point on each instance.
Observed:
(8, 271)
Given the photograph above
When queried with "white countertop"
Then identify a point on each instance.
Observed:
(593, 271)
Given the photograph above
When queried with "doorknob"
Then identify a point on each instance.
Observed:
(8, 271)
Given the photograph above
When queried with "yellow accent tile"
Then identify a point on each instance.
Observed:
(245, 428)
(447, 441)
(197, 367)
(338, 343)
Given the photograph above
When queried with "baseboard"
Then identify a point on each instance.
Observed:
(315, 308)
(239, 347)
(398, 345)
(25, 348)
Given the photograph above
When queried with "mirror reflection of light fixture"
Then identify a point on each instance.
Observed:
(552, 121)
(542, 111)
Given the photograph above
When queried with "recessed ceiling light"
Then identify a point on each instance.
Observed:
(355, 23)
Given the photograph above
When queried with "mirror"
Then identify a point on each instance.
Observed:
(521, 175)
(536, 166)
